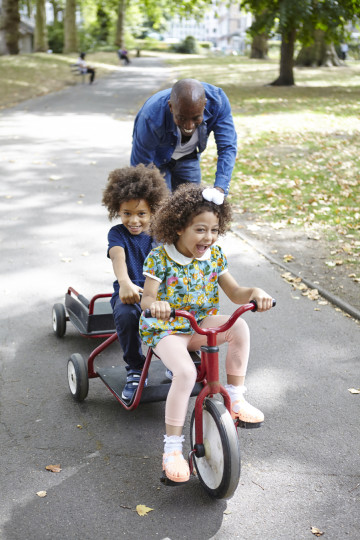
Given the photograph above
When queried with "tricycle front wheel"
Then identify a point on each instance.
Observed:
(78, 377)
(219, 469)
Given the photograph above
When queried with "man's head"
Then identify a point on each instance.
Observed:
(187, 102)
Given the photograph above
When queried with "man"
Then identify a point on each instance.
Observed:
(172, 128)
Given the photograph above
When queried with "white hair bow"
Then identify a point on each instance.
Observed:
(213, 195)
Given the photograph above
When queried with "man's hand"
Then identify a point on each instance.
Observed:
(214, 195)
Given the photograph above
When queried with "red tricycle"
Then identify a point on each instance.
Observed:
(215, 449)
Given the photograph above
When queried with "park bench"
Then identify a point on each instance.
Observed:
(77, 71)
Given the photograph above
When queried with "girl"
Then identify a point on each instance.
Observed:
(184, 273)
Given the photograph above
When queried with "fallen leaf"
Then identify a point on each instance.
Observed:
(288, 258)
(54, 177)
(354, 390)
(53, 468)
(79, 426)
(143, 510)
(41, 494)
(226, 512)
(316, 531)
(66, 259)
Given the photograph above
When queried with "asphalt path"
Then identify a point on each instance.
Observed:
(300, 470)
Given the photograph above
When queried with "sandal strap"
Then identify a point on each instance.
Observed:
(175, 466)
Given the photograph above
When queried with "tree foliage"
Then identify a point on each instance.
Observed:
(298, 20)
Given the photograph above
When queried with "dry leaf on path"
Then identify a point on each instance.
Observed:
(143, 510)
(41, 494)
(354, 390)
(53, 468)
(316, 531)
(288, 258)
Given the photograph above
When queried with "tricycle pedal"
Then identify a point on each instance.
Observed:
(247, 425)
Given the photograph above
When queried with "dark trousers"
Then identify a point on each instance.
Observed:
(126, 317)
(182, 171)
(92, 74)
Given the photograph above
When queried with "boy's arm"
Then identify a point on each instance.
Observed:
(129, 292)
(244, 295)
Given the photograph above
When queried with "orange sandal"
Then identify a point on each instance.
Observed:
(175, 467)
(247, 415)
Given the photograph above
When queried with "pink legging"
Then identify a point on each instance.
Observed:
(173, 351)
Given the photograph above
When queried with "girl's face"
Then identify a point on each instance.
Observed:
(197, 237)
(135, 215)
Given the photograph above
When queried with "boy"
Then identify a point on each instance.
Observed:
(133, 194)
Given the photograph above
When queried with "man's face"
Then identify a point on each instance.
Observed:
(187, 115)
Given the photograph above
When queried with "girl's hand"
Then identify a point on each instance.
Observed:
(263, 300)
(160, 309)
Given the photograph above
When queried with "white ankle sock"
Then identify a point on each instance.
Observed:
(173, 442)
(235, 392)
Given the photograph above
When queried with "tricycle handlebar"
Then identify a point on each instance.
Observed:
(252, 306)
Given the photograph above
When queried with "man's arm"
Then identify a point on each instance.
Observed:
(144, 141)
(226, 142)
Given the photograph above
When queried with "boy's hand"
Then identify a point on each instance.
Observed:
(160, 309)
(130, 293)
(263, 300)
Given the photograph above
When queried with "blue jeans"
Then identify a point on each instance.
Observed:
(126, 317)
(181, 172)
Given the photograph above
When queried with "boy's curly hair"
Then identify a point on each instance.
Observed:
(178, 210)
(140, 182)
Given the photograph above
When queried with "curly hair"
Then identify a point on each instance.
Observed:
(140, 182)
(178, 210)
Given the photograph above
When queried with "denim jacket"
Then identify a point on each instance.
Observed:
(155, 134)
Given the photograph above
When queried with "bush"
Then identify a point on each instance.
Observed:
(188, 46)
(56, 37)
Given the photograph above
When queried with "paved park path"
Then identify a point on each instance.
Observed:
(300, 470)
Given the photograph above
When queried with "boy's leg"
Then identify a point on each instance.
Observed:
(126, 317)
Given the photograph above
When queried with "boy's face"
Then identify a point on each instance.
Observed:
(135, 215)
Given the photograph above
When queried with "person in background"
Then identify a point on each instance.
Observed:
(85, 68)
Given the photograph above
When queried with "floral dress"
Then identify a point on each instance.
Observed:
(187, 284)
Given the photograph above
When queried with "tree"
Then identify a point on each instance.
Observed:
(319, 53)
(40, 38)
(299, 19)
(70, 33)
(9, 23)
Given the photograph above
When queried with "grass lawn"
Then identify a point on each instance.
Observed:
(299, 147)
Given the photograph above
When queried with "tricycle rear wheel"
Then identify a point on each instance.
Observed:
(78, 379)
(219, 469)
(59, 319)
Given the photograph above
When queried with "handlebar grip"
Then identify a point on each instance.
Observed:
(256, 306)
(147, 313)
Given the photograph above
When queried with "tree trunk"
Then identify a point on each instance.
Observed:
(70, 34)
(10, 21)
(40, 38)
(319, 53)
(259, 47)
(119, 38)
(286, 76)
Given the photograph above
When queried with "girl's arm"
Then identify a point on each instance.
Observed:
(129, 292)
(244, 295)
(159, 308)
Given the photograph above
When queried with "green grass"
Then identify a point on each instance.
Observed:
(298, 163)
(27, 76)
